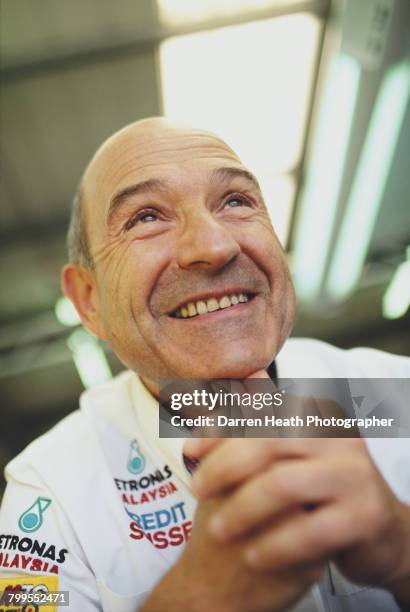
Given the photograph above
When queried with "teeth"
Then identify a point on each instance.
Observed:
(202, 307)
(224, 302)
(191, 309)
(212, 304)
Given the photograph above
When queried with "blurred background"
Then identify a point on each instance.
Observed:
(313, 94)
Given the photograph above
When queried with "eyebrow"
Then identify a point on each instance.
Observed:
(224, 174)
(148, 186)
(228, 174)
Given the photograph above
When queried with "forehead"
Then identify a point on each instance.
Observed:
(182, 158)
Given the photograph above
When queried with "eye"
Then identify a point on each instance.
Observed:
(147, 217)
(143, 216)
(236, 202)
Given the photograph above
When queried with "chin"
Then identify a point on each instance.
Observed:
(233, 367)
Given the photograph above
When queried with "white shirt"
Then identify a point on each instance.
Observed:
(80, 497)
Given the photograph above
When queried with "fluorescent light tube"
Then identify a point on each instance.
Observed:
(370, 181)
(319, 204)
(65, 312)
(89, 358)
(396, 300)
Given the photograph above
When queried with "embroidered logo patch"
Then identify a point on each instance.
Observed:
(32, 518)
(136, 461)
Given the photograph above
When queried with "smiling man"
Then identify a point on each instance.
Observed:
(179, 240)
(173, 260)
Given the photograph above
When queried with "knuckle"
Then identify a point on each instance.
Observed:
(356, 444)
(362, 469)
(320, 538)
(373, 516)
(266, 447)
(271, 491)
(282, 485)
(329, 533)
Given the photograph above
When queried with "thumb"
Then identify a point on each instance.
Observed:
(199, 447)
(259, 374)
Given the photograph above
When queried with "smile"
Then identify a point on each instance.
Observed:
(201, 307)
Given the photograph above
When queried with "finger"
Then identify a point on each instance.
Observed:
(259, 374)
(283, 487)
(305, 537)
(249, 384)
(199, 447)
(235, 460)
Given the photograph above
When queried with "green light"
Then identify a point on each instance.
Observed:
(89, 358)
(396, 300)
(65, 312)
(370, 182)
(323, 184)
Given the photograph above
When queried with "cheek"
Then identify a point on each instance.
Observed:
(262, 245)
(290, 303)
(128, 279)
(115, 279)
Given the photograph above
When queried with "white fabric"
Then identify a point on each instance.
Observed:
(83, 466)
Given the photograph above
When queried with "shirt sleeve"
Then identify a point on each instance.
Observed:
(39, 552)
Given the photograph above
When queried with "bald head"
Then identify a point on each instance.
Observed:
(140, 132)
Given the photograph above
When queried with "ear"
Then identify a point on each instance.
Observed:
(79, 285)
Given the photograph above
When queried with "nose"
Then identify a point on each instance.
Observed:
(205, 243)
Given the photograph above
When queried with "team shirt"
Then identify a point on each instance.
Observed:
(100, 506)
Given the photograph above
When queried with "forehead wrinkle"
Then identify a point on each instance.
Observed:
(119, 166)
(157, 142)
(144, 158)
(159, 183)
(152, 133)
(164, 145)
(226, 175)
(130, 155)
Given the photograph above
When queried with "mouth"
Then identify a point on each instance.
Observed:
(204, 306)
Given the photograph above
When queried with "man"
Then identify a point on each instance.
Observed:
(174, 261)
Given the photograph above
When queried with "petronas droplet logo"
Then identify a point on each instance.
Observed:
(136, 461)
(32, 519)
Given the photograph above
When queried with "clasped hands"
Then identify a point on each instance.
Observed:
(297, 503)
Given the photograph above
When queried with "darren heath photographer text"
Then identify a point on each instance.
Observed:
(257, 401)
(272, 421)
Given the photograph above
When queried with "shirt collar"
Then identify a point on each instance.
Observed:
(146, 408)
